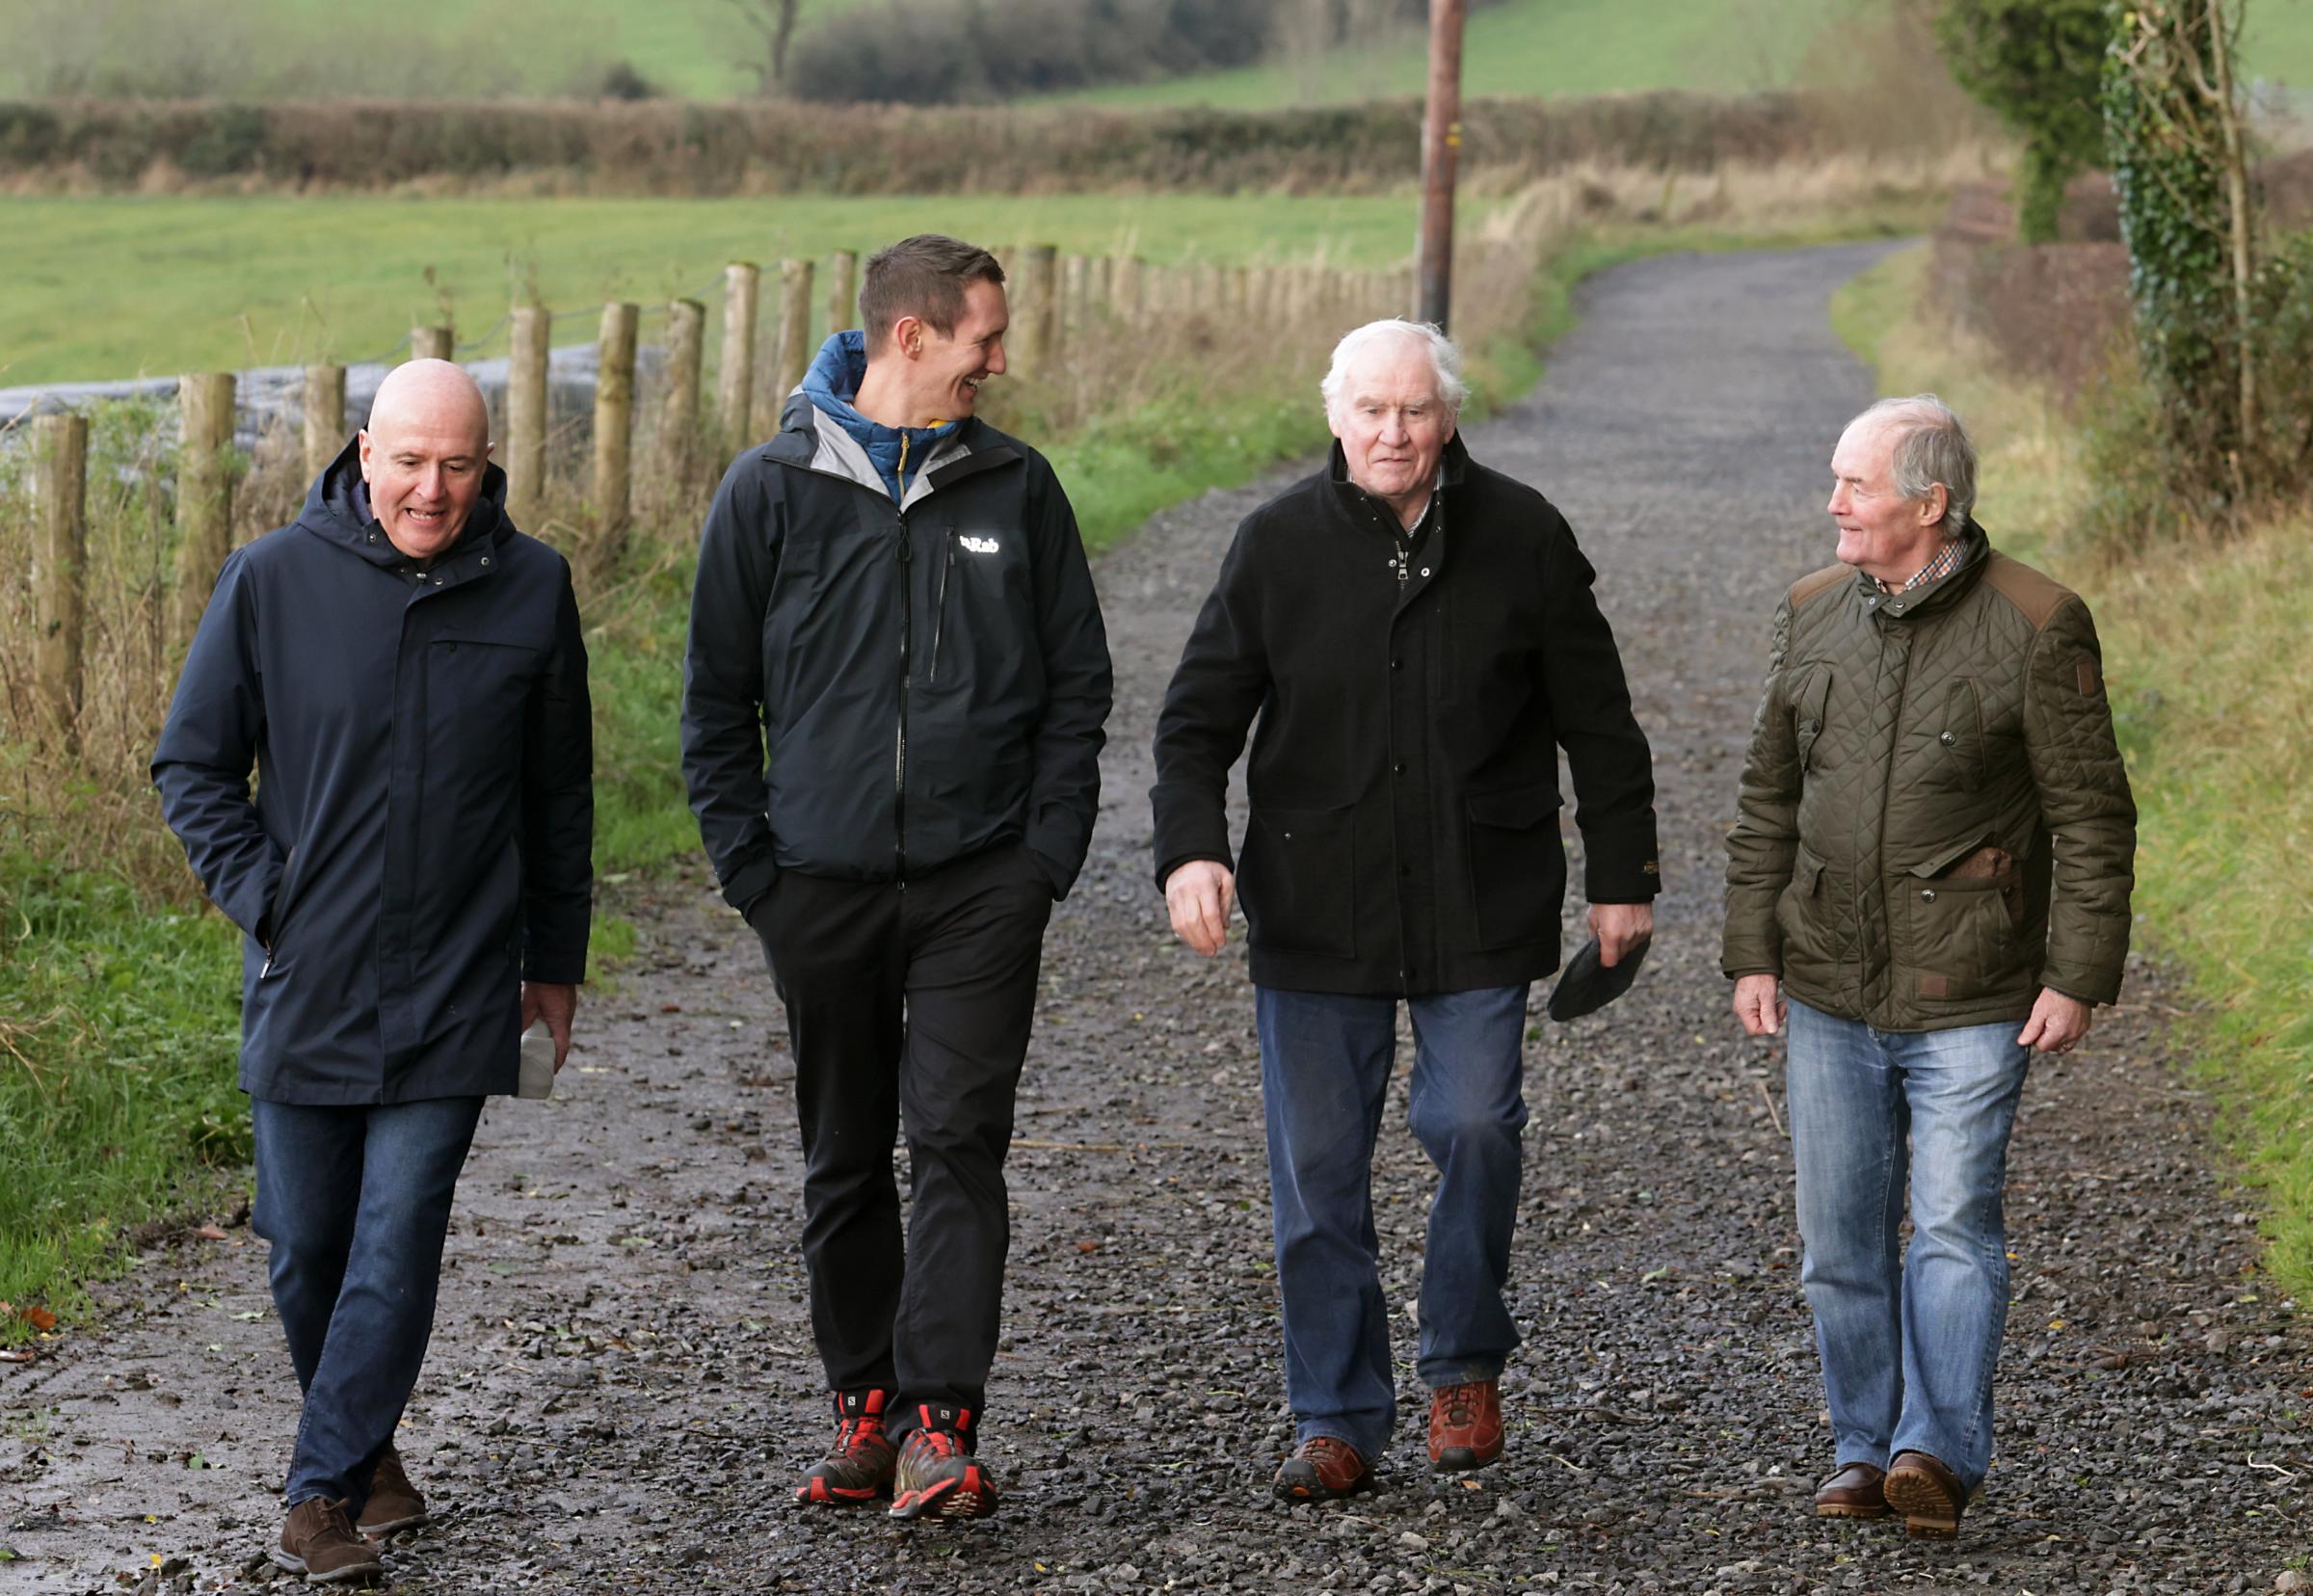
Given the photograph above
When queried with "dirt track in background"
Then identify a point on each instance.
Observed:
(621, 1384)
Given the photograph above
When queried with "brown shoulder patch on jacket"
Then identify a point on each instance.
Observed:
(1817, 582)
(2036, 594)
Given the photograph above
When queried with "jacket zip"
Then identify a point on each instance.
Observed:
(940, 609)
(899, 761)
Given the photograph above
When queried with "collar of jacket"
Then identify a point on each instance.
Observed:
(877, 452)
(1976, 550)
(334, 514)
(1454, 465)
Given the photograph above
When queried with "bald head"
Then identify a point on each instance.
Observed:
(423, 455)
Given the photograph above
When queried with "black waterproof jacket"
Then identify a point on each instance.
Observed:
(422, 834)
(872, 690)
(1404, 779)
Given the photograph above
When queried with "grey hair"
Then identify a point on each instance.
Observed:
(1930, 446)
(1445, 358)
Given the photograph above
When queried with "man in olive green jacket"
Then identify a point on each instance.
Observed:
(1929, 881)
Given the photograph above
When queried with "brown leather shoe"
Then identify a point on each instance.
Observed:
(1927, 1494)
(393, 1501)
(1853, 1491)
(1321, 1469)
(1465, 1426)
(319, 1542)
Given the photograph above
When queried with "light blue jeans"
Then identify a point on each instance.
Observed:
(1908, 1340)
(1325, 1071)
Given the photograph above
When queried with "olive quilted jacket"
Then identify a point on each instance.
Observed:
(1934, 821)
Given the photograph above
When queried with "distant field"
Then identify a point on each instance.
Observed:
(117, 286)
(1554, 47)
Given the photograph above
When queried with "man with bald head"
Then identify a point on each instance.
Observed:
(1417, 637)
(413, 877)
(1927, 883)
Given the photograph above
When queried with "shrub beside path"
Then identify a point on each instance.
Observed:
(621, 1384)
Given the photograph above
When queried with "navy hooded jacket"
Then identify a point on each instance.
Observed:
(421, 834)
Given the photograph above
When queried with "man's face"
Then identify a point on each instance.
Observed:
(1881, 533)
(423, 463)
(953, 365)
(1391, 423)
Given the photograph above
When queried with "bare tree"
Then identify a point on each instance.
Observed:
(773, 22)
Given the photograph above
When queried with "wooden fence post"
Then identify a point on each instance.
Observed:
(59, 562)
(325, 417)
(1032, 324)
(526, 411)
(432, 344)
(795, 348)
(843, 290)
(204, 496)
(614, 415)
(1127, 290)
(678, 422)
(735, 391)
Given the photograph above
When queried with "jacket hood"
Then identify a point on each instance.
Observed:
(337, 511)
(832, 382)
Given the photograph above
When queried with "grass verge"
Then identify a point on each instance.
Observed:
(118, 1024)
(2210, 662)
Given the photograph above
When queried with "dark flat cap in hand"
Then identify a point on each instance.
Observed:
(1587, 986)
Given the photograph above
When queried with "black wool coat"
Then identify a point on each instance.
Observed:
(420, 839)
(1404, 778)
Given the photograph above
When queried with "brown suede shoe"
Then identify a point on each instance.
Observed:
(393, 1501)
(1465, 1426)
(1322, 1469)
(1927, 1494)
(319, 1542)
(1853, 1491)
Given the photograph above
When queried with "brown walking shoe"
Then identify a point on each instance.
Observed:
(1322, 1468)
(393, 1501)
(1465, 1426)
(319, 1542)
(1852, 1492)
(859, 1466)
(1927, 1494)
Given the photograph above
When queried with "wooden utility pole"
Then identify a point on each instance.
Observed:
(1441, 141)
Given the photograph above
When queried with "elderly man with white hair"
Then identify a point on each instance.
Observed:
(1417, 638)
(1928, 881)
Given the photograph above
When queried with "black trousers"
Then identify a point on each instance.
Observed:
(907, 1008)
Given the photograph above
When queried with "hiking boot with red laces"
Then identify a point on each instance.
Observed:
(858, 1466)
(1465, 1426)
(319, 1542)
(393, 1501)
(1324, 1467)
(938, 1476)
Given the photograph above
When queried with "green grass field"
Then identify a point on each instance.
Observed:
(200, 284)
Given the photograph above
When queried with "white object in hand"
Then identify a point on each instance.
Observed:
(537, 1077)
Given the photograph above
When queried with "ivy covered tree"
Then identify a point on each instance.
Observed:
(2036, 64)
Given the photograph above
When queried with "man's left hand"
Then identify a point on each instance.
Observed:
(555, 1003)
(1620, 927)
(2056, 1024)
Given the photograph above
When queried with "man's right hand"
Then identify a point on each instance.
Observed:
(1199, 895)
(1759, 1005)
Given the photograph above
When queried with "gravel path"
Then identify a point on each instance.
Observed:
(622, 1383)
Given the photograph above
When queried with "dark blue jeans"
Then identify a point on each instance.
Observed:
(356, 1201)
(1325, 1069)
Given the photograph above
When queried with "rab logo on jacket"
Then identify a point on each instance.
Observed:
(978, 546)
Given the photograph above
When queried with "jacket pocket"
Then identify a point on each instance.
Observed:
(1962, 908)
(1809, 703)
(1517, 865)
(1962, 736)
(1298, 880)
(1803, 917)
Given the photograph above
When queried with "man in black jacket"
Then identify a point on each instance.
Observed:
(414, 878)
(1417, 637)
(892, 705)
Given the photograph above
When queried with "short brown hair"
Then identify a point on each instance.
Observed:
(922, 276)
